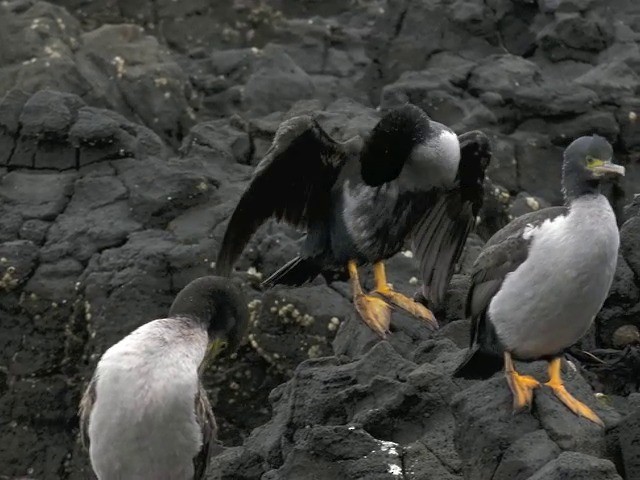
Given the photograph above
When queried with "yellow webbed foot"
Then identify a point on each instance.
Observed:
(522, 386)
(573, 404)
(399, 300)
(375, 313)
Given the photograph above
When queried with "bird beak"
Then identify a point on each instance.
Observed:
(217, 345)
(608, 168)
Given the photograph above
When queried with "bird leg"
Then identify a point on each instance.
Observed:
(576, 406)
(399, 300)
(521, 386)
(374, 311)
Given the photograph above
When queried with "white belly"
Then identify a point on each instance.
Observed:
(550, 301)
(143, 423)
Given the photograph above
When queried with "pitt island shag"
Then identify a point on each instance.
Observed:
(540, 281)
(359, 201)
(145, 414)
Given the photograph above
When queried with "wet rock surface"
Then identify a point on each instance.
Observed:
(128, 131)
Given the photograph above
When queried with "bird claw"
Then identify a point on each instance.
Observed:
(522, 387)
(573, 404)
(375, 313)
(408, 305)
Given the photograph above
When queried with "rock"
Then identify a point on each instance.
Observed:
(629, 438)
(627, 117)
(276, 83)
(539, 166)
(575, 37)
(611, 81)
(44, 37)
(504, 75)
(218, 139)
(549, 99)
(304, 321)
(526, 455)
(577, 466)
(37, 195)
(150, 83)
(525, 203)
(17, 262)
(486, 426)
(435, 92)
(129, 131)
(625, 335)
(57, 131)
(630, 243)
(328, 452)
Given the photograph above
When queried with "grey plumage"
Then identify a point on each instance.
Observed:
(539, 282)
(144, 414)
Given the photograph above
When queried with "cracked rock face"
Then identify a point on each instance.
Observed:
(128, 130)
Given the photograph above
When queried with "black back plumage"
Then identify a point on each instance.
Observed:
(292, 183)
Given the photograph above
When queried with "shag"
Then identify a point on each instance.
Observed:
(145, 414)
(540, 281)
(359, 201)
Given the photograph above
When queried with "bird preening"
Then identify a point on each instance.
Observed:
(535, 289)
(145, 414)
(412, 179)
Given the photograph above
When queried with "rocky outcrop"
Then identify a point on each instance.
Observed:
(128, 131)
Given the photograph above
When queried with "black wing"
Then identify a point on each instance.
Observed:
(504, 252)
(291, 183)
(439, 237)
(209, 427)
(86, 405)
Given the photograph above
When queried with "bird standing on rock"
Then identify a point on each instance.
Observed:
(540, 281)
(145, 414)
(359, 201)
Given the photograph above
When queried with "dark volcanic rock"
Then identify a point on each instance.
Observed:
(577, 466)
(276, 83)
(128, 130)
(488, 434)
(629, 437)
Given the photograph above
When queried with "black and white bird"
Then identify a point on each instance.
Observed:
(540, 281)
(145, 414)
(359, 201)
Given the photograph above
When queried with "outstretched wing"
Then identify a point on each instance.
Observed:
(503, 253)
(210, 445)
(86, 406)
(439, 237)
(292, 183)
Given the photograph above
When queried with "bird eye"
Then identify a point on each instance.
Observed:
(593, 161)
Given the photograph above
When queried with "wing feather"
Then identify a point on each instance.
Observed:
(86, 406)
(439, 237)
(210, 444)
(292, 183)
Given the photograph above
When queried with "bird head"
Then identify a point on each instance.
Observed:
(587, 161)
(391, 142)
(221, 307)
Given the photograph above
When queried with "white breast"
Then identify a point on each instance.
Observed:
(549, 302)
(434, 163)
(143, 423)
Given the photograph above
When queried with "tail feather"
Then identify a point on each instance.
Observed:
(478, 364)
(295, 272)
